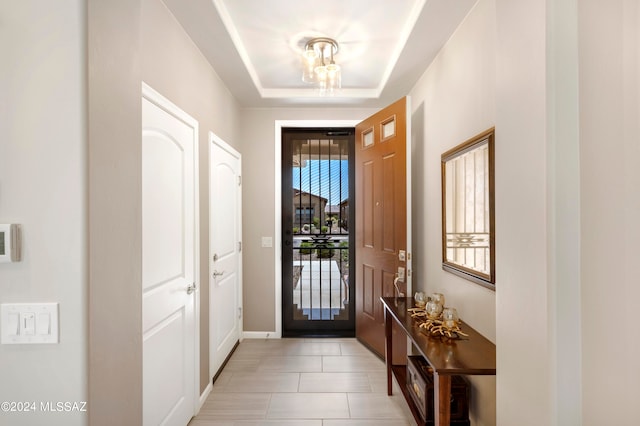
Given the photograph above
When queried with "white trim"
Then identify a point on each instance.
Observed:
(203, 397)
(158, 99)
(161, 101)
(261, 335)
(409, 260)
(279, 124)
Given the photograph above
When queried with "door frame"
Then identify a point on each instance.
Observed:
(160, 100)
(215, 139)
(279, 124)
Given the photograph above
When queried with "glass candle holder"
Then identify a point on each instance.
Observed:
(420, 299)
(433, 309)
(450, 317)
(438, 298)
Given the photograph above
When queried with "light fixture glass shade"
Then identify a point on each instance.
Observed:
(309, 56)
(334, 80)
(308, 74)
(321, 73)
(315, 70)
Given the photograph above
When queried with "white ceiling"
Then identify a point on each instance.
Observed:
(255, 45)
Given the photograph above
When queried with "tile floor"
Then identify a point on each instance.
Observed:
(303, 382)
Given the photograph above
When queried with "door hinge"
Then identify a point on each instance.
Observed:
(239, 180)
(239, 246)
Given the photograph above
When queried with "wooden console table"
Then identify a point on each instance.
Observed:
(474, 355)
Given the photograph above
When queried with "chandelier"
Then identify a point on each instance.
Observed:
(319, 67)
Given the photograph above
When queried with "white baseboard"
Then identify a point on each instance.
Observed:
(204, 396)
(260, 335)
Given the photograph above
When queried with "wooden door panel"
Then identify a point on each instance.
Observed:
(367, 204)
(389, 236)
(368, 293)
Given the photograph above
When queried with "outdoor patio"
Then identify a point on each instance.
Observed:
(321, 290)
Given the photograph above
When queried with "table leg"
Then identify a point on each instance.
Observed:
(388, 350)
(442, 399)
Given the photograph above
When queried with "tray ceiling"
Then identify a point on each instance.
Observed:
(255, 45)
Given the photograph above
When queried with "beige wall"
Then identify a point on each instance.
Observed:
(258, 205)
(566, 201)
(523, 320)
(173, 66)
(453, 101)
(150, 47)
(609, 35)
(115, 273)
(43, 187)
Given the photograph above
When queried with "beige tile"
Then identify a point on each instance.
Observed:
(199, 422)
(235, 406)
(308, 406)
(361, 422)
(376, 406)
(336, 364)
(378, 381)
(354, 347)
(280, 422)
(263, 382)
(221, 381)
(300, 364)
(313, 348)
(240, 364)
(303, 382)
(334, 382)
(330, 339)
(254, 348)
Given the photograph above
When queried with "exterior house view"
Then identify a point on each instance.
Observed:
(306, 207)
(90, 174)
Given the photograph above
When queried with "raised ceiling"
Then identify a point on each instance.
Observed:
(255, 45)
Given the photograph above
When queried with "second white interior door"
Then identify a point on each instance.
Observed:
(225, 281)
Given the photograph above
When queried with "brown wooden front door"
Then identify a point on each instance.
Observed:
(381, 220)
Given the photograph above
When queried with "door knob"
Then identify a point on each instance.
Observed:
(217, 274)
(191, 288)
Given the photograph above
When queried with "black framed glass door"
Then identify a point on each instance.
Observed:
(317, 218)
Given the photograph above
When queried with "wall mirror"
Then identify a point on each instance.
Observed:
(468, 225)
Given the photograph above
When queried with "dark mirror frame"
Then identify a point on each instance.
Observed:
(475, 240)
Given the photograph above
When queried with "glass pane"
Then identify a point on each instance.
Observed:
(389, 128)
(320, 179)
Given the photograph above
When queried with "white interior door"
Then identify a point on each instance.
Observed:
(169, 238)
(225, 282)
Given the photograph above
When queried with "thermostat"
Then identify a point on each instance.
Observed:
(10, 244)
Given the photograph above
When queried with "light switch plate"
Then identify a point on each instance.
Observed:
(29, 323)
(267, 242)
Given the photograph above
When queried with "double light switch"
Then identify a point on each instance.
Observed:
(29, 323)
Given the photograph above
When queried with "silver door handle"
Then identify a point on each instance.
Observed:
(217, 274)
(191, 288)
